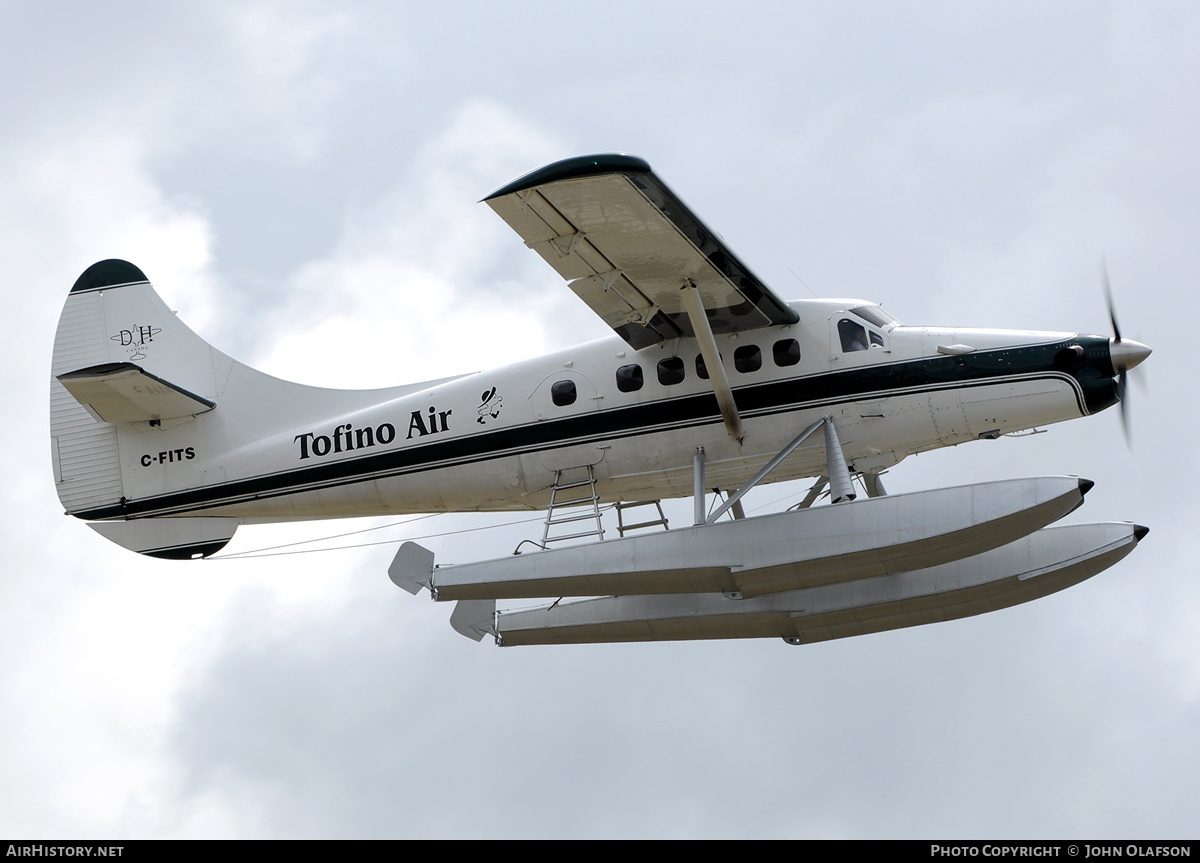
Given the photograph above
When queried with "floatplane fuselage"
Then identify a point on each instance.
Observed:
(167, 444)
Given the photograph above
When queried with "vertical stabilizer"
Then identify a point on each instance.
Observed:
(120, 356)
(150, 423)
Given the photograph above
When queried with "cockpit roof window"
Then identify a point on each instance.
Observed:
(875, 315)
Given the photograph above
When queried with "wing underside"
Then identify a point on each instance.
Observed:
(627, 245)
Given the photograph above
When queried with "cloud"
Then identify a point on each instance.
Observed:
(92, 650)
(418, 287)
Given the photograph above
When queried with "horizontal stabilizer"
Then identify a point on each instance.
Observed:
(786, 551)
(127, 393)
(1045, 562)
(169, 538)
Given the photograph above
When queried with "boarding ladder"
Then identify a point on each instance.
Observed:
(572, 501)
(622, 506)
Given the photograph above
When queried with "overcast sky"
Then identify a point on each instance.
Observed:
(300, 181)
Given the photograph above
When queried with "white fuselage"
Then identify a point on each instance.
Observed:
(495, 440)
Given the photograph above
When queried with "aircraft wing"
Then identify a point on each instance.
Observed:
(627, 245)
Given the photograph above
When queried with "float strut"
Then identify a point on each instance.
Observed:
(813, 493)
(840, 487)
(698, 485)
(767, 468)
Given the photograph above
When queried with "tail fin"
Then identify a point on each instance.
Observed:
(152, 427)
(122, 357)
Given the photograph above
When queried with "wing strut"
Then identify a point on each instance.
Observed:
(712, 360)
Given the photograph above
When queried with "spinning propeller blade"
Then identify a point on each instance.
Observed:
(1125, 354)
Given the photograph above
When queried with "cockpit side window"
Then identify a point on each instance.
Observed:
(853, 336)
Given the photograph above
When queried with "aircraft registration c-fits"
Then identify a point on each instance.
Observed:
(712, 382)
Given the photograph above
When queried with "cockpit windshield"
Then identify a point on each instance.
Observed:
(875, 315)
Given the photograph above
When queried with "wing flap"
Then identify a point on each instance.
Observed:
(126, 393)
(627, 245)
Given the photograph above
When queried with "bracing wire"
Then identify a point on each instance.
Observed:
(255, 551)
(271, 552)
(275, 550)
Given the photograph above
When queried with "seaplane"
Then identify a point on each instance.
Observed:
(710, 385)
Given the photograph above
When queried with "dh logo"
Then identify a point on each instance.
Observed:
(135, 339)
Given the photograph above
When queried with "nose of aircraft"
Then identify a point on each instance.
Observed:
(1126, 353)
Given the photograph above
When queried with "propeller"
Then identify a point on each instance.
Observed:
(1124, 353)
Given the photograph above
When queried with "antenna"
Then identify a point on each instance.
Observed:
(801, 281)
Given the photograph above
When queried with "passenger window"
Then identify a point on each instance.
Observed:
(562, 393)
(701, 369)
(747, 358)
(853, 336)
(787, 352)
(670, 371)
(629, 378)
